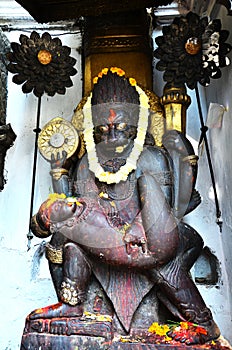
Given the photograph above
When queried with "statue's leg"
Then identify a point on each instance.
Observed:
(190, 246)
(179, 293)
(71, 291)
(76, 275)
(56, 271)
(158, 221)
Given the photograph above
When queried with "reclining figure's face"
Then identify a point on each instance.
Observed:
(115, 126)
(59, 210)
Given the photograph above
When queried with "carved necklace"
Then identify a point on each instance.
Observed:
(110, 193)
(123, 172)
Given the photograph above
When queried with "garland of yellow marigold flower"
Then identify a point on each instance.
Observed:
(131, 162)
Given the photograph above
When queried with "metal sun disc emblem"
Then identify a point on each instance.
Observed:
(57, 140)
(57, 136)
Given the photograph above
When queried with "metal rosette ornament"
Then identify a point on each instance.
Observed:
(192, 50)
(41, 64)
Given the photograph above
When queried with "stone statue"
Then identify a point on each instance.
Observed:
(116, 214)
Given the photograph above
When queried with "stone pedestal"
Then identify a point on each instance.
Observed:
(95, 334)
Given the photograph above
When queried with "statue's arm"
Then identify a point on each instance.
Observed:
(184, 163)
(61, 180)
(155, 162)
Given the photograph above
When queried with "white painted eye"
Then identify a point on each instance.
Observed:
(121, 126)
(103, 128)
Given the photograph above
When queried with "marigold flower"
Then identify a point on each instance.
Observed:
(132, 81)
(117, 70)
(95, 79)
(105, 71)
(185, 325)
(158, 329)
(52, 197)
(120, 72)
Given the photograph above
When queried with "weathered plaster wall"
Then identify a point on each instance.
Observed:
(20, 291)
(221, 145)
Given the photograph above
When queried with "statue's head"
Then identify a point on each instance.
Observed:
(115, 124)
(58, 208)
(115, 110)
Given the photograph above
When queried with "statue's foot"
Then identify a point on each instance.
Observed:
(57, 310)
(58, 327)
(190, 333)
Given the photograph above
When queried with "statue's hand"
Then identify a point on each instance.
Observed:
(58, 162)
(134, 240)
(194, 201)
(174, 140)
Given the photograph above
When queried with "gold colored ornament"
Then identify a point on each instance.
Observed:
(44, 57)
(69, 294)
(97, 317)
(192, 159)
(82, 147)
(156, 127)
(57, 136)
(54, 255)
(192, 46)
(58, 172)
(175, 101)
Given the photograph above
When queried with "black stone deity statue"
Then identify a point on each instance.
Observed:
(117, 214)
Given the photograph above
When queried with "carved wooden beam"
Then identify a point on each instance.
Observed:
(55, 10)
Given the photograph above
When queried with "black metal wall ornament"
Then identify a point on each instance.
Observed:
(43, 65)
(7, 135)
(7, 138)
(193, 50)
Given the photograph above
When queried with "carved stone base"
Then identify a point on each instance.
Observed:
(94, 334)
(67, 333)
(141, 346)
(37, 341)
